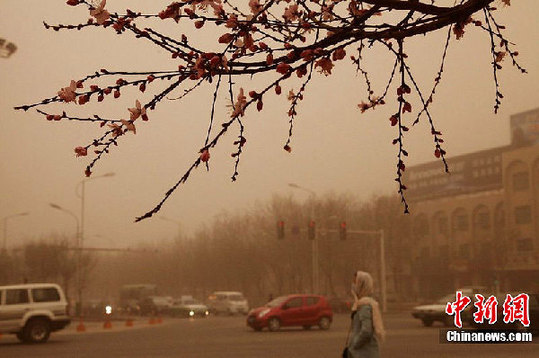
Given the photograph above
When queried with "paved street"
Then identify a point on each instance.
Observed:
(229, 337)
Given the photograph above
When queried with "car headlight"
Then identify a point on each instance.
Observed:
(263, 313)
(191, 313)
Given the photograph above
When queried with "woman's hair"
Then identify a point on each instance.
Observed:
(363, 284)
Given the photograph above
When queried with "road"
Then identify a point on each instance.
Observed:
(225, 337)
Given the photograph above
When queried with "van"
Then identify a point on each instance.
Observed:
(228, 302)
(33, 311)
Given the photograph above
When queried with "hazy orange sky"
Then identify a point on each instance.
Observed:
(335, 148)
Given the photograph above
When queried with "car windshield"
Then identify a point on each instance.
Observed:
(236, 297)
(276, 302)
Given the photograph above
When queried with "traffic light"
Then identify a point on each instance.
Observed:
(280, 229)
(342, 230)
(311, 232)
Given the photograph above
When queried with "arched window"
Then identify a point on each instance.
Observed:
(421, 225)
(440, 223)
(459, 220)
(481, 218)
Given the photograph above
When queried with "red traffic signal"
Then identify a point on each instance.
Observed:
(311, 230)
(342, 230)
(280, 229)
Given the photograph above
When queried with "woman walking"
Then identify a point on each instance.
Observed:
(367, 329)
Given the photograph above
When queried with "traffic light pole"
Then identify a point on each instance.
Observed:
(316, 289)
(383, 287)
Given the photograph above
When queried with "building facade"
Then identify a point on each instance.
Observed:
(479, 225)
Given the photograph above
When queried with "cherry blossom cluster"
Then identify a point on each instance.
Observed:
(286, 39)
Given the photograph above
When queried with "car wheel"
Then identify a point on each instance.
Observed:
(306, 327)
(427, 322)
(274, 324)
(324, 323)
(36, 331)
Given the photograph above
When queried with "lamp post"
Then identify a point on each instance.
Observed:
(314, 246)
(4, 246)
(177, 222)
(77, 234)
(82, 183)
(80, 243)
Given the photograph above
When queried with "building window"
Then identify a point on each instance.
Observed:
(460, 222)
(443, 251)
(520, 181)
(482, 220)
(524, 244)
(464, 251)
(523, 214)
(422, 226)
(442, 225)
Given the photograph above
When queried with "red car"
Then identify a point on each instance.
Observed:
(292, 310)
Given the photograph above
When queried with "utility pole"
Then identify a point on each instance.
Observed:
(314, 244)
(383, 285)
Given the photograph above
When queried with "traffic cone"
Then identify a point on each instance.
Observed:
(159, 320)
(107, 324)
(129, 322)
(81, 327)
(152, 320)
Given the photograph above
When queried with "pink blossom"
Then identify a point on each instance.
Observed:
(68, 93)
(215, 4)
(239, 106)
(101, 15)
(115, 129)
(137, 111)
(291, 13)
(129, 126)
(255, 6)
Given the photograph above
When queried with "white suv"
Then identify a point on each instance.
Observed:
(32, 311)
(230, 302)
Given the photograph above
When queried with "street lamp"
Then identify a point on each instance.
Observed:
(82, 183)
(70, 213)
(4, 246)
(314, 247)
(77, 234)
